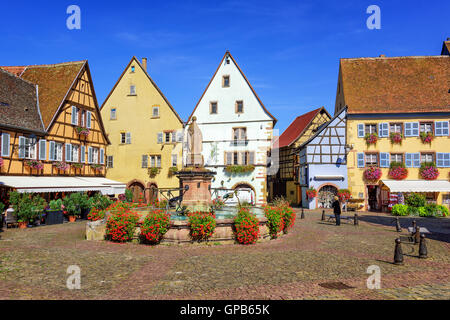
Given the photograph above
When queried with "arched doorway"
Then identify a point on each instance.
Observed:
(246, 193)
(152, 192)
(137, 188)
(326, 195)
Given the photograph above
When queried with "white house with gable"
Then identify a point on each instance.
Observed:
(237, 132)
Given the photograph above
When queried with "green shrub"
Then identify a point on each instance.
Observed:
(400, 210)
(72, 204)
(55, 205)
(155, 226)
(443, 210)
(288, 215)
(202, 225)
(27, 208)
(413, 211)
(128, 195)
(431, 209)
(99, 202)
(415, 200)
(120, 226)
(274, 220)
(423, 212)
(2, 207)
(246, 226)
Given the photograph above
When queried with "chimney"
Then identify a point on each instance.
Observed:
(144, 63)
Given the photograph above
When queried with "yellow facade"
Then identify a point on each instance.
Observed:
(357, 184)
(129, 114)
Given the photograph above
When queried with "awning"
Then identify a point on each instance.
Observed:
(417, 185)
(329, 177)
(27, 184)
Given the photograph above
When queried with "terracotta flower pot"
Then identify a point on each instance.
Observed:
(72, 218)
(22, 225)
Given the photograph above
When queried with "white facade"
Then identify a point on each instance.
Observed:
(323, 161)
(218, 129)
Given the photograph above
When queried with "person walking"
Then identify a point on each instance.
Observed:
(337, 209)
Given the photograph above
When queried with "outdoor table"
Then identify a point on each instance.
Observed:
(421, 230)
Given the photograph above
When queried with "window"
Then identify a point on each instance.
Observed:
(396, 127)
(144, 162)
(75, 153)
(74, 116)
(128, 138)
(42, 150)
(83, 118)
(27, 148)
(213, 107)
(397, 157)
(370, 128)
(132, 68)
(55, 153)
(412, 160)
(132, 90)
(113, 114)
(235, 158)
(443, 160)
(226, 81)
(174, 160)
(411, 129)
(122, 137)
(5, 144)
(240, 158)
(155, 111)
(94, 155)
(441, 128)
(110, 162)
(426, 157)
(155, 161)
(371, 159)
(426, 127)
(167, 137)
(159, 137)
(383, 130)
(239, 135)
(239, 106)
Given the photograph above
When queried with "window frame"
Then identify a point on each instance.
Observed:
(211, 107)
(226, 76)
(376, 154)
(237, 106)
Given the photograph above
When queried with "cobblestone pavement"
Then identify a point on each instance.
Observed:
(316, 260)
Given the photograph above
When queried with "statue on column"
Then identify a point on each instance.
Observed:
(194, 145)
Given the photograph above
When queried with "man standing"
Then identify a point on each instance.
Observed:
(337, 210)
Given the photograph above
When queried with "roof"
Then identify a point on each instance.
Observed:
(27, 184)
(151, 80)
(417, 185)
(446, 48)
(18, 104)
(15, 70)
(248, 82)
(298, 127)
(393, 85)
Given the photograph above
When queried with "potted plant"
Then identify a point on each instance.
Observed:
(55, 212)
(372, 174)
(237, 169)
(97, 167)
(396, 137)
(311, 193)
(34, 164)
(61, 165)
(371, 138)
(85, 205)
(77, 165)
(153, 171)
(426, 137)
(82, 131)
(172, 171)
(72, 207)
(398, 171)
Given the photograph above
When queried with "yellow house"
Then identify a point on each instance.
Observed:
(398, 116)
(145, 133)
(285, 182)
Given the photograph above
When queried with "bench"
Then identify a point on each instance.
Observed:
(349, 219)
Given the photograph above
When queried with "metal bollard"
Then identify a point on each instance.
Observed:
(423, 252)
(397, 225)
(414, 225)
(303, 214)
(398, 254)
(323, 215)
(355, 220)
(417, 235)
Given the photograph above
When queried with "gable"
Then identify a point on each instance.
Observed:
(239, 89)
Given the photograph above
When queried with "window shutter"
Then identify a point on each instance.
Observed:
(52, 151)
(74, 115)
(42, 150)
(180, 136)
(440, 159)
(144, 162)
(361, 130)
(89, 154)
(158, 161)
(441, 128)
(407, 129)
(159, 137)
(21, 147)
(68, 152)
(82, 154)
(5, 145)
(228, 156)
(415, 129)
(383, 129)
(88, 119)
(128, 138)
(360, 159)
(251, 157)
(102, 156)
(408, 160)
(384, 160)
(416, 160)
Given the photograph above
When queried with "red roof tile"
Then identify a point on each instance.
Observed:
(15, 70)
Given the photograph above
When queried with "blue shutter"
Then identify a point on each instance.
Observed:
(82, 154)
(68, 152)
(102, 155)
(443, 160)
(416, 160)
(408, 160)
(21, 147)
(42, 150)
(383, 130)
(5, 144)
(360, 160)
(415, 129)
(384, 160)
(74, 115)
(88, 120)
(361, 130)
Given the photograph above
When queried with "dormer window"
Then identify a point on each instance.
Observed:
(226, 81)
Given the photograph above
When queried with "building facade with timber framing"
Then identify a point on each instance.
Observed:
(285, 182)
(52, 135)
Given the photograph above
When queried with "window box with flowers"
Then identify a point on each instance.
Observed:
(97, 167)
(82, 131)
(153, 171)
(344, 195)
(311, 193)
(237, 169)
(172, 171)
(426, 137)
(398, 171)
(34, 164)
(428, 171)
(396, 137)
(61, 165)
(77, 165)
(371, 138)
(372, 174)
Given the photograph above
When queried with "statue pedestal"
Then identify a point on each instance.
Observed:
(198, 196)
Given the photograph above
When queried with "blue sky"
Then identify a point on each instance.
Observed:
(289, 50)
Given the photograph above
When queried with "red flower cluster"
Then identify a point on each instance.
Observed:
(429, 171)
(371, 138)
(396, 137)
(96, 214)
(155, 226)
(398, 173)
(247, 227)
(288, 215)
(372, 174)
(202, 225)
(275, 221)
(344, 195)
(426, 137)
(121, 224)
(311, 193)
